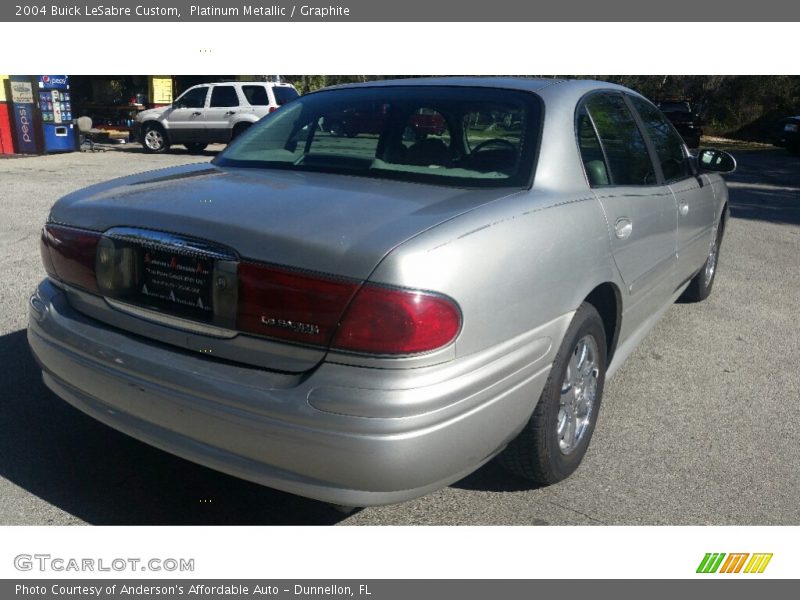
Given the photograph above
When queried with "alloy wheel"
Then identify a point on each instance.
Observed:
(578, 395)
(154, 139)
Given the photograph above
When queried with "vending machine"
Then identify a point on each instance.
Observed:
(6, 139)
(41, 114)
(55, 108)
(23, 117)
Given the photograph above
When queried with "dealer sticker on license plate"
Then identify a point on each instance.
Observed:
(179, 283)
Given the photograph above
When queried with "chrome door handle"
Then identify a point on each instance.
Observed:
(683, 208)
(230, 112)
(623, 228)
(196, 113)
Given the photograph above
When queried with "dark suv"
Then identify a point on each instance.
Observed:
(685, 118)
(789, 134)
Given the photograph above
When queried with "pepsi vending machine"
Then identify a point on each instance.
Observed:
(23, 115)
(41, 109)
(55, 108)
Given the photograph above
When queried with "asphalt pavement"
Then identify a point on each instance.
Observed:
(700, 426)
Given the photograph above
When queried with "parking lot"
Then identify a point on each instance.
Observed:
(699, 427)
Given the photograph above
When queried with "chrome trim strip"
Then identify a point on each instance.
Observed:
(171, 321)
(170, 242)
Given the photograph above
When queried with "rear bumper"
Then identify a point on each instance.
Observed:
(339, 433)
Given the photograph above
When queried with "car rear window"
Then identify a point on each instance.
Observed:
(283, 95)
(460, 136)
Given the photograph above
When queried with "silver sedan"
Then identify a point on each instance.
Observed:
(381, 287)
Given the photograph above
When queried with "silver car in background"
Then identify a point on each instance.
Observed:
(365, 318)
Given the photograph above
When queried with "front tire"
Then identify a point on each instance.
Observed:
(555, 439)
(154, 139)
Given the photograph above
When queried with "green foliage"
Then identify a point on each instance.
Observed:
(740, 106)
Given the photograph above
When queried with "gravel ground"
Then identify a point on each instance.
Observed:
(698, 427)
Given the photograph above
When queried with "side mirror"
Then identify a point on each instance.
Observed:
(716, 160)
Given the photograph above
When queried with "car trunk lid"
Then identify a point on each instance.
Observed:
(331, 229)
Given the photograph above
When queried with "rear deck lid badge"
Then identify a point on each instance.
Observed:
(297, 327)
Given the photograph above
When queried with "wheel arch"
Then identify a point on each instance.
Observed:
(246, 121)
(240, 127)
(726, 214)
(155, 124)
(607, 300)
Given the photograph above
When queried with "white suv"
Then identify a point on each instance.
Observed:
(210, 113)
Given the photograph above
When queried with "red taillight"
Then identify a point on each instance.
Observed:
(44, 249)
(69, 255)
(290, 305)
(394, 321)
(300, 307)
(294, 306)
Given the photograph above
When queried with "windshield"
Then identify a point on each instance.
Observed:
(456, 136)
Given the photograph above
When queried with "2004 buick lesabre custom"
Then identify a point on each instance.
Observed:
(364, 319)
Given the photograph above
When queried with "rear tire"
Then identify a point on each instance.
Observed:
(195, 148)
(555, 439)
(700, 286)
(239, 130)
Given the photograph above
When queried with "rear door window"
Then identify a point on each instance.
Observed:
(666, 141)
(594, 161)
(626, 152)
(223, 96)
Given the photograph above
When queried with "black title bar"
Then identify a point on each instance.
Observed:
(403, 11)
(392, 589)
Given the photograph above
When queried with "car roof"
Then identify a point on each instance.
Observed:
(274, 83)
(532, 84)
(501, 82)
